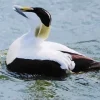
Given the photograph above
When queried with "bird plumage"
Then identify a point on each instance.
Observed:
(31, 53)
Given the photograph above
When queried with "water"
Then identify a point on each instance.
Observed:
(75, 23)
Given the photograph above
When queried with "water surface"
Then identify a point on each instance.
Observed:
(75, 23)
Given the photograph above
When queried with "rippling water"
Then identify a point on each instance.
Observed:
(76, 23)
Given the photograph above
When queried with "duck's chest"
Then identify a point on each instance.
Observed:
(29, 48)
(23, 47)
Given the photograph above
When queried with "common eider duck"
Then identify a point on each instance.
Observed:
(32, 54)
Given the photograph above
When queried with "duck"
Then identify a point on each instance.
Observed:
(31, 53)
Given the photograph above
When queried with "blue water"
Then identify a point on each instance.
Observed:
(75, 23)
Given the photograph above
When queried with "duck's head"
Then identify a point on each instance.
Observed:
(31, 13)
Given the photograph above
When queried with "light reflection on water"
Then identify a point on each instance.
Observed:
(76, 23)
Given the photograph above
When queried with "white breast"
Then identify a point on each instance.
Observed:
(13, 51)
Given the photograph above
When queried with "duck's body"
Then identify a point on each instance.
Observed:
(36, 56)
(33, 55)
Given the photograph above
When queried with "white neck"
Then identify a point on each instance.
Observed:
(30, 38)
(37, 31)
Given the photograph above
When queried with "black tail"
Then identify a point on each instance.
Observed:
(94, 66)
(83, 64)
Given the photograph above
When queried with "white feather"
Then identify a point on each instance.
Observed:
(35, 48)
